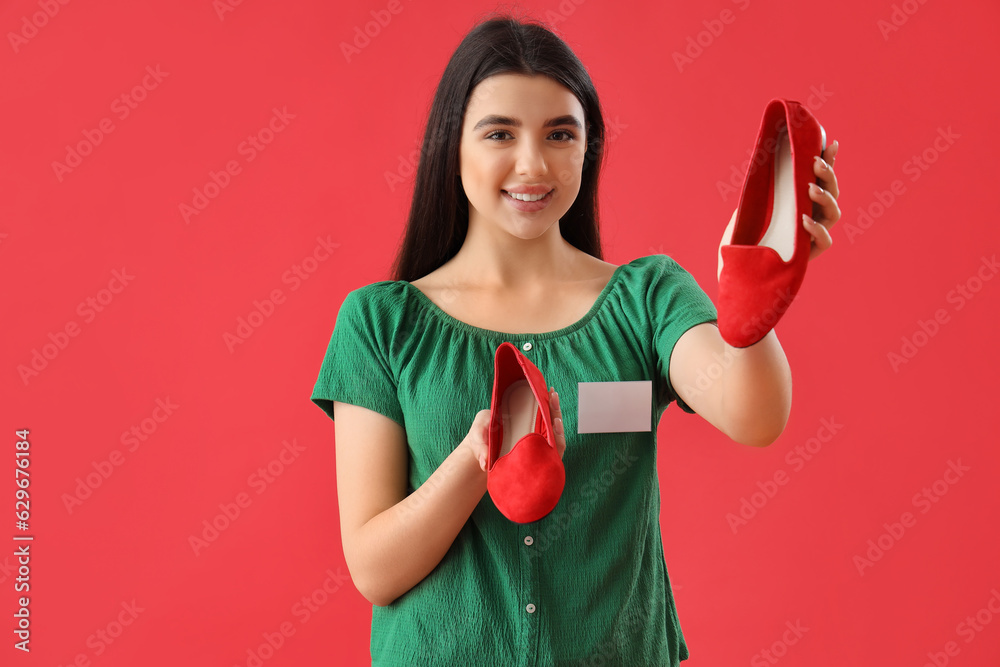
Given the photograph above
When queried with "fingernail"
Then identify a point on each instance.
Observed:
(822, 163)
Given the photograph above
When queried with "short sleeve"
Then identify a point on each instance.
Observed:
(676, 303)
(356, 368)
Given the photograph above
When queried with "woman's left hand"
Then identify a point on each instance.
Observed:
(826, 212)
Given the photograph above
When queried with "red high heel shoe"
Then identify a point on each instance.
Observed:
(765, 261)
(525, 474)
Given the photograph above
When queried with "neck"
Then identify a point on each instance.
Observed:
(492, 258)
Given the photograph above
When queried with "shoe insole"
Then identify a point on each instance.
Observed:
(518, 411)
(781, 229)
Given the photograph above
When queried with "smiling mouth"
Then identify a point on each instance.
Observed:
(527, 197)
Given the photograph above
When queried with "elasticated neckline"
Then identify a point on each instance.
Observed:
(545, 335)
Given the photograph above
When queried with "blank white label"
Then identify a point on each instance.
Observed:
(615, 407)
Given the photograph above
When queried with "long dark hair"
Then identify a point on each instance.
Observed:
(439, 212)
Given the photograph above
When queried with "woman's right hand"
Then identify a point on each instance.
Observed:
(478, 438)
(557, 421)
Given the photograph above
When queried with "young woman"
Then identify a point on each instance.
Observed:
(502, 244)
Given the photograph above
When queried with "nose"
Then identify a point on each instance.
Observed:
(530, 159)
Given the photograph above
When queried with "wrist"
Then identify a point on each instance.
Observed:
(468, 460)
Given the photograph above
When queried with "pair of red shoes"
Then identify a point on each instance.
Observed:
(763, 266)
(765, 261)
(525, 473)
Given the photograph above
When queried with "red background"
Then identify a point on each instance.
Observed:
(681, 130)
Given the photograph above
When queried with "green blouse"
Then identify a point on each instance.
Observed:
(585, 585)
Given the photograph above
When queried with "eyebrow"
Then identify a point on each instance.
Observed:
(494, 119)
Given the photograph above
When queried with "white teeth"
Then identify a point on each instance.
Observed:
(521, 197)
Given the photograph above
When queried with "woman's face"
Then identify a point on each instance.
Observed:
(521, 134)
